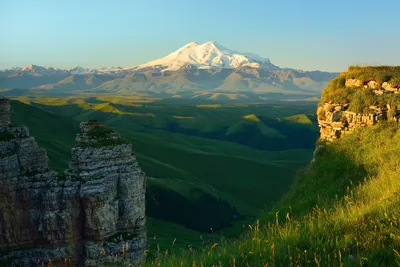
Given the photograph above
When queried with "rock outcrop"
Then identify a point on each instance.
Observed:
(378, 89)
(335, 120)
(93, 213)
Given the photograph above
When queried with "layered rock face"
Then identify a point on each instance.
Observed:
(93, 213)
(112, 193)
(335, 120)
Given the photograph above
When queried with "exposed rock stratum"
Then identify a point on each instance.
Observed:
(336, 120)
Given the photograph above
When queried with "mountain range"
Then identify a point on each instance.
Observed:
(202, 71)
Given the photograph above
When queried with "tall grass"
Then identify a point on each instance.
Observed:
(344, 210)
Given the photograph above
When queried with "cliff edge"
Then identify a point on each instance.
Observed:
(93, 213)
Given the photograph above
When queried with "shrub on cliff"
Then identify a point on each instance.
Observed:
(395, 82)
(361, 100)
(336, 91)
(321, 113)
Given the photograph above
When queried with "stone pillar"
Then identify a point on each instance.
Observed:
(4, 112)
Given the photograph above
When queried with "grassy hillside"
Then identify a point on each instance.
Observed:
(344, 210)
(270, 129)
(224, 184)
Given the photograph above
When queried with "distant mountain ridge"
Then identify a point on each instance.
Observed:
(189, 71)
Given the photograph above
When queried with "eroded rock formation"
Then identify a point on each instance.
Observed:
(93, 213)
(334, 120)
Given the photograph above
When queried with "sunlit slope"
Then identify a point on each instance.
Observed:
(342, 211)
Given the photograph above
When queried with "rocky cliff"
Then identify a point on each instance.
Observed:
(93, 213)
(358, 98)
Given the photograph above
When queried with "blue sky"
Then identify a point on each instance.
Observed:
(304, 34)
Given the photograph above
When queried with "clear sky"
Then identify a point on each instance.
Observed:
(303, 34)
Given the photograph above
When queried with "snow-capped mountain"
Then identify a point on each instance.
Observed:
(80, 70)
(39, 70)
(209, 55)
(208, 67)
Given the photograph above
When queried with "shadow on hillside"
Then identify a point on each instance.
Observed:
(322, 184)
(203, 212)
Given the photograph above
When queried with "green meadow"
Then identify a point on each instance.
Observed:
(210, 166)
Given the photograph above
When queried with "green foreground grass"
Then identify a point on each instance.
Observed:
(344, 210)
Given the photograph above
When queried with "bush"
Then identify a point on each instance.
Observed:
(392, 99)
(362, 99)
(395, 82)
(383, 77)
(391, 113)
(321, 114)
(339, 95)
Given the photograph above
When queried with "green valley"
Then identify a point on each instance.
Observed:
(207, 167)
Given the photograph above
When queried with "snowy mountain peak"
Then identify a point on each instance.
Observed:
(39, 70)
(209, 55)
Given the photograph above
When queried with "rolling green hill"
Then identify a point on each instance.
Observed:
(274, 128)
(224, 183)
